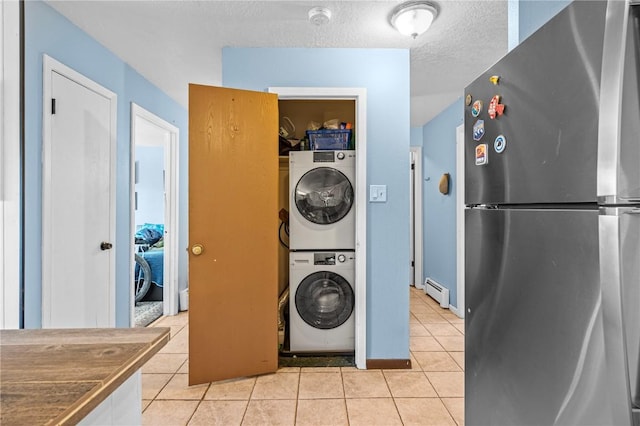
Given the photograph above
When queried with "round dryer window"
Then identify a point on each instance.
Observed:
(324, 195)
(324, 300)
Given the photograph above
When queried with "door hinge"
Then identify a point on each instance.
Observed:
(413, 264)
(53, 106)
(413, 166)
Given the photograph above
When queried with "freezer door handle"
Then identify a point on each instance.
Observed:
(619, 239)
(618, 175)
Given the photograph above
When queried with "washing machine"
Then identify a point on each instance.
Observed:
(322, 200)
(322, 301)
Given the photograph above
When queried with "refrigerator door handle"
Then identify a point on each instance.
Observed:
(619, 240)
(618, 178)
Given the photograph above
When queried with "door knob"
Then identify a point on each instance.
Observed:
(105, 246)
(197, 249)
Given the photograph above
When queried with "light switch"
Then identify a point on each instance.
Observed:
(378, 193)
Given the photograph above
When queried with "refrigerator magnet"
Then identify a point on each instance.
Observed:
(467, 100)
(495, 79)
(482, 156)
(476, 109)
(495, 107)
(478, 130)
(500, 144)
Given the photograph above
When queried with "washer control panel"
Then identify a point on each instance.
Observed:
(329, 258)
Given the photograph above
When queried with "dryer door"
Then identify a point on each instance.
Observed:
(324, 195)
(324, 300)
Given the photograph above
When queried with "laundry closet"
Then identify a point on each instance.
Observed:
(238, 185)
(316, 185)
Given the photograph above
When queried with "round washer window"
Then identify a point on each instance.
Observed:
(324, 195)
(324, 300)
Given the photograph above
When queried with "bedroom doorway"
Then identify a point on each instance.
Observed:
(154, 216)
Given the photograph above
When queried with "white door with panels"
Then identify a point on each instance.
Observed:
(78, 217)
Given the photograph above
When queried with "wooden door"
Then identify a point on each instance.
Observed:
(78, 202)
(233, 225)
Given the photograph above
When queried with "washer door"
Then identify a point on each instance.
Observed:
(324, 300)
(323, 195)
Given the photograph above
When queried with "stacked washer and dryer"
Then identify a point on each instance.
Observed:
(322, 256)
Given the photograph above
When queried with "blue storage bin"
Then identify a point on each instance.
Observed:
(329, 139)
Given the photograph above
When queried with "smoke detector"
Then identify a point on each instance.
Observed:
(319, 15)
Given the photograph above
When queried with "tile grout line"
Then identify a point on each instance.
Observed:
(344, 396)
(155, 398)
(246, 407)
(393, 398)
(295, 411)
(199, 402)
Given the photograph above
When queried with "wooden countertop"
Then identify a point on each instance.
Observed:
(57, 376)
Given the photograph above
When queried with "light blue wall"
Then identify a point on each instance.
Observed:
(439, 151)
(416, 136)
(385, 75)
(46, 31)
(513, 27)
(532, 14)
(149, 185)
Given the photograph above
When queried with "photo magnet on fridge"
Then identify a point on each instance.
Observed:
(482, 154)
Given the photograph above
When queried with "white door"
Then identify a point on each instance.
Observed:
(459, 309)
(415, 218)
(78, 202)
(412, 220)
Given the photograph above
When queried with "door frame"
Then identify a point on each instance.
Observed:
(416, 161)
(359, 95)
(10, 166)
(460, 269)
(50, 66)
(171, 212)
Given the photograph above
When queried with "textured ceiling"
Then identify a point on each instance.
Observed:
(173, 43)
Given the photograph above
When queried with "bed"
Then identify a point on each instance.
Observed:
(150, 246)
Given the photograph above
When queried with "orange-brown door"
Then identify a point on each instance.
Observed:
(233, 233)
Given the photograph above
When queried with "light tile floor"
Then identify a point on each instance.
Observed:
(431, 393)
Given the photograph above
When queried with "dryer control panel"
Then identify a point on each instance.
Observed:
(324, 157)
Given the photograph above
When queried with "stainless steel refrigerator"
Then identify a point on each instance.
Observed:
(552, 246)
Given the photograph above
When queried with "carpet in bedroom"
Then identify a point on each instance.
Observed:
(147, 312)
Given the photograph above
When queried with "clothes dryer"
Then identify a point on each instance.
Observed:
(322, 301)
(322, 200)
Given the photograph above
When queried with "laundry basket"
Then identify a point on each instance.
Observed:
(329, 139)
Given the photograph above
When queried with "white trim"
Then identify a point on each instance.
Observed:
(417, 211)
(49, 66)
(171, 161)
(10, 165)
(459, 308)
(360, 97)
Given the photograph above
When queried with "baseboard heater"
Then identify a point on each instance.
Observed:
(437, 292)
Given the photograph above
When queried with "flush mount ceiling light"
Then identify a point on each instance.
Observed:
(319, 15)
(413, 18)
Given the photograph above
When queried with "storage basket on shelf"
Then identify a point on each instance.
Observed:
(329, 139)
